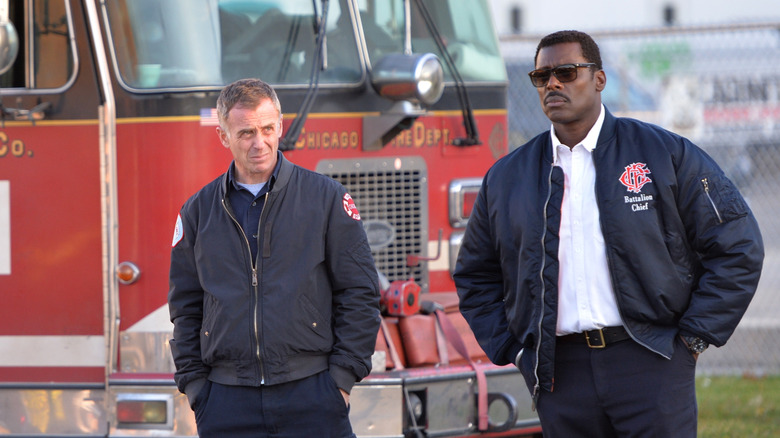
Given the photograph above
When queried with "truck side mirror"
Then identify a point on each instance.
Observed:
(410, 81)
(417, 78)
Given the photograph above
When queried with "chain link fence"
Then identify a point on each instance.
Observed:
(720, 87)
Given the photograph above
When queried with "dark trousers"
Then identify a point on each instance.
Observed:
(623, 390)
(310, 407)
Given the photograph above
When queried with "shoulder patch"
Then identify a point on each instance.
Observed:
(178, 231)
(350, 207)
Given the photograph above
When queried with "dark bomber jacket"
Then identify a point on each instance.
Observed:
(683, 248)
(310, 304)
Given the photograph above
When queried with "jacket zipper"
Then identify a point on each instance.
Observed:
(254, 263)
(535, 395)
(706, 183)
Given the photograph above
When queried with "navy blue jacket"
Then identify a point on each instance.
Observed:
(311, 302)
(683, 248)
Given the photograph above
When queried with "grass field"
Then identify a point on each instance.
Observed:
(738, 407)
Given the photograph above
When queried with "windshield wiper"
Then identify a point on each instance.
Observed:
(463, 97)
(318, 63)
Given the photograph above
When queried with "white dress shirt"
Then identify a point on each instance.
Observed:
(586, 299)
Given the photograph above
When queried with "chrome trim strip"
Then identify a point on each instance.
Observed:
(108, 188)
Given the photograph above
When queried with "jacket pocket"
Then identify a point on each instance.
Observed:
(724, 200)
(679, 256)
(210, 310)
(311, 330)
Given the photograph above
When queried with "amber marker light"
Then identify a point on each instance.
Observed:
(127, 273)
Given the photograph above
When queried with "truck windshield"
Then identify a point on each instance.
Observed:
(465, 26)
(209, 43)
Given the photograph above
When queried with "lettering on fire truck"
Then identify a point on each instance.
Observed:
(327, 140)
(421, 136)
(417, 137)
(12, 148)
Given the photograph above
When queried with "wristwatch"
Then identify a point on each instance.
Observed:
(696, 344)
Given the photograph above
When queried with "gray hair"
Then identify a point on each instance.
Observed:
(246, 93)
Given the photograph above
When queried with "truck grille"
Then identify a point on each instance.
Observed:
(392, 197)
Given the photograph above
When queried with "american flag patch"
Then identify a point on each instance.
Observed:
(208, 117)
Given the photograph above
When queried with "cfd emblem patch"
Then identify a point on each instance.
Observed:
(350, 207)
(635, 177)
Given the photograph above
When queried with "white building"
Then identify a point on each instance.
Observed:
(542, 17)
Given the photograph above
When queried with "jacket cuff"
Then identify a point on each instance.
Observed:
(193, 389)
(343, 377)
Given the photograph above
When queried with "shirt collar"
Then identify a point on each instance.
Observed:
(232, 172)
(590, 140)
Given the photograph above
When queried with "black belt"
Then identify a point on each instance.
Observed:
(598, 338)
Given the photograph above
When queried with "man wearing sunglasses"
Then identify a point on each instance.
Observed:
(602, 257)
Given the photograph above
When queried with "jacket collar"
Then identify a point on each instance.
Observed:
(607, 129)
(606, 135)
(279, 179)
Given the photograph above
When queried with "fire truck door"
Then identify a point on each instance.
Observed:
(52, 239)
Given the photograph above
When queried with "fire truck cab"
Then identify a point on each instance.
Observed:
(107, 126)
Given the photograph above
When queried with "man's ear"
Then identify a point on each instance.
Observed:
(223, 137)
(601, 80)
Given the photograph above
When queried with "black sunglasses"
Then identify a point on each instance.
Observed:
(564, 73)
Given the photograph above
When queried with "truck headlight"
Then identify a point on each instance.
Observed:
(463, 193)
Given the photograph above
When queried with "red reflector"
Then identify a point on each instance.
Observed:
(141, 412)
(468, 203)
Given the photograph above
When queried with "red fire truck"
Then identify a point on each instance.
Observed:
(107, 125)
